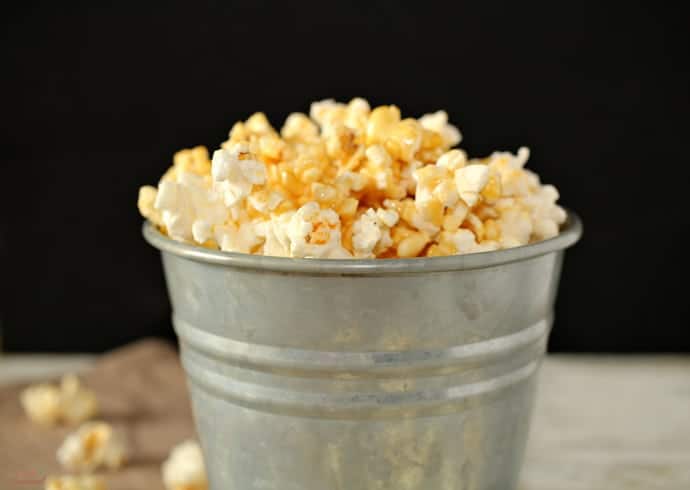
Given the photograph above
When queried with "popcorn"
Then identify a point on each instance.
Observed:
(185, 201)
(235, 172)
(48, 404)
(93, 445)
(42, 403)
(438, 122)
(372, 231)
(299, 127)
(470, 181)
(79, 482)
(315, 232)
(145, 203)
(184, 469)
(349, 181)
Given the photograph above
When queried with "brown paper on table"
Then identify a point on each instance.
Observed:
(142, 393)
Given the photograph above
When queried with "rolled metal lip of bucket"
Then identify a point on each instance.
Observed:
(569, 234)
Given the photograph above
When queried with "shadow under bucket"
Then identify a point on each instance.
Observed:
(313, 374)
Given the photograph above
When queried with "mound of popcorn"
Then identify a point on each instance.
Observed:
(347, 181)
(93, 445)
(70, 402)
(184, 469)
(77, 482)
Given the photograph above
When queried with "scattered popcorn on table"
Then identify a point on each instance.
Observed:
(184, 469)
(48, 404)
(79, 482)
(349, 181)
(93, 445)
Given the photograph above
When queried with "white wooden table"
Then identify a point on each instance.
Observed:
(601, 422)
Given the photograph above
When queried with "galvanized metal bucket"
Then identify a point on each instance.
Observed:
(406, 374)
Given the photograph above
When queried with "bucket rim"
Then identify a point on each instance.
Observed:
(570, 233)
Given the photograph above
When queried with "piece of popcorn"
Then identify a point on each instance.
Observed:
(235, 172)
(193, 160)
(258, 124)
(515, 226)
(404, 139)
(357, 114)
(413, 244)
(265, 201)
(70, 402)
(452, 160)
(327, 112)
(470, 181)
(315, 232)
(145, 203)
(351, 181)
(41, 403)
(233, 238)
(463, 240)
(93, 445)
(455, 217)
(186, 200)
(378, 156)
(184, 469)
(438, 122)
(75, 482)
(372, 231)
(298, 126)
(339, 140)
(381, 122)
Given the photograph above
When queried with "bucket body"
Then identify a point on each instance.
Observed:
(379, 377)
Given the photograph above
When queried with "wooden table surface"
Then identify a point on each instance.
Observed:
(601, 422)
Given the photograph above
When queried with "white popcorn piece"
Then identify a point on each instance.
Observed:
(315, 233)
(466, 242)
(41, 403)
(93, 445)
(515, 226)
(75, 482)
(372, 231)
(70, 402)
(235, 172)
(274, 233)
(201, 231)
(438, 122)
(470, 181)
(187, 200)
(184, 469)
(242, 238)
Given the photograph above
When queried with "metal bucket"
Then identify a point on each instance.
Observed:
(310, 374)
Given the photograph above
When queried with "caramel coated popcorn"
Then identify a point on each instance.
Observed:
(93, 445)
(348, 181)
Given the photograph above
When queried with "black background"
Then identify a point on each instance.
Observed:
(97, 99)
